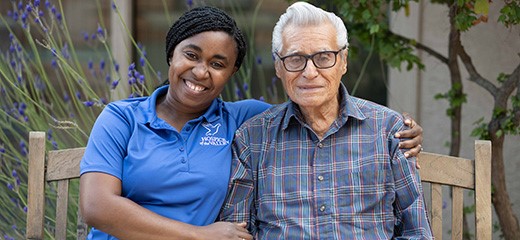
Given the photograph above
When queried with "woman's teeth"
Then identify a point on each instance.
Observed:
(195, 87)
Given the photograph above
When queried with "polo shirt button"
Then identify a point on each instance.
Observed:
(322, 208)
(183, 160)
(320, 145)
(320, 178)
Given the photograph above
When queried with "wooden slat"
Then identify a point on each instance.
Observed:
(436, 220)
(64, 164)
(60, 166)
(457, 205)
(62, 203)
(36, 186)
(82, 228)
(483, 190)
(460, 173)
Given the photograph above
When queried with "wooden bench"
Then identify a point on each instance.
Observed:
(459, 174)
(60, 166)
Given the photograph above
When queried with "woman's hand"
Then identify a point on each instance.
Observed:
(226, 230)
(413, 136)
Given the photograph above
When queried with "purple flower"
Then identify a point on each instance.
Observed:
(114, 5)
(36, 3)
(28, 8)
(2, 150)
(114, 84)
(25, 209)
(47, 4)
(190, 3)
(78, 95)
(90, 64)
(54, 145)
(40, 13)
(246, 87)
(88, 103)
(14, 173)
(102, 64)
(15, 16)
(66, 97)
(107, 78)
(85, 36)
(54, 64)
(116, 67)
(258, 60)
(142, 61)
(100, 32)
(10, 186)
(261, 98)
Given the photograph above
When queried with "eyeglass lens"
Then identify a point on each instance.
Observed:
(325, 59)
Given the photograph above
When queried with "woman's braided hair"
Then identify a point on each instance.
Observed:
(202, 19)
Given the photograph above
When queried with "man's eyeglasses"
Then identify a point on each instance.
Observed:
(321, 60)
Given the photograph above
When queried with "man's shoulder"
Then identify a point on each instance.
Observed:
(372, 109)
(272, 115)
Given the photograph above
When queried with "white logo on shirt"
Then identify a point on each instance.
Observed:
(210, 139)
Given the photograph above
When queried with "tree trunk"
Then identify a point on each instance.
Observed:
(456, 83)
(500, 197)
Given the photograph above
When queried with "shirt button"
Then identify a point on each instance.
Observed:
(322, 208)
(181, 149)
(183, 160)
(320, 145)
(320, 178)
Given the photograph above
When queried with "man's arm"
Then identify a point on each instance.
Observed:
(239, 203)
(409, 206)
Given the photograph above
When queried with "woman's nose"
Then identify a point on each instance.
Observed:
(200, 70)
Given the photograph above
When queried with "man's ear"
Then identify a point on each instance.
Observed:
(344, 57)
(278, 68)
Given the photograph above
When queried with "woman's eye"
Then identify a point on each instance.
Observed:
(218, 65)
(190, 55)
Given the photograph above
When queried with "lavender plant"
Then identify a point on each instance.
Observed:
(46, 86)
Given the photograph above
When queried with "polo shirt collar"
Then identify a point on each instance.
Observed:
(213, 113)
(347, 109)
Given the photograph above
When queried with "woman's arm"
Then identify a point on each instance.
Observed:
(103, 207)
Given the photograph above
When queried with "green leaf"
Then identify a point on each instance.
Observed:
(482, 7)
(374, 28)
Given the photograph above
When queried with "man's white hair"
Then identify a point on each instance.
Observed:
(305, 14)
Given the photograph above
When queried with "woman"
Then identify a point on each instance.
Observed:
(158, 167)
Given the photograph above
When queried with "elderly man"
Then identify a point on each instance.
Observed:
(324, 165)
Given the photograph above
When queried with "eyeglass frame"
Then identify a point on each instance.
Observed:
(311, 57)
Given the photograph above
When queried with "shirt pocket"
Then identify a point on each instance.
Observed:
(366, 198)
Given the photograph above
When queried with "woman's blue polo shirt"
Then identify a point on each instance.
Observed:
(180, 175)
